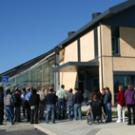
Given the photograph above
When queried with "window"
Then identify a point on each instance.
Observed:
(96, 42)
(61, 55)
(115, 41)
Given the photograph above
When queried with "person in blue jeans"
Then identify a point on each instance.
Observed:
(61, 105)
(51, 100)
(70, 103)
(78, 98)
(27, 99)
(8, 106)
(107, 103)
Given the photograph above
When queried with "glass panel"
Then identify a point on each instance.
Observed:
(40, 75)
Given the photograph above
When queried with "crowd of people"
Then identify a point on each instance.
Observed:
(34, 105)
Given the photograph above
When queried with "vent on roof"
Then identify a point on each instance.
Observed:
(94, 15)
(71, 33)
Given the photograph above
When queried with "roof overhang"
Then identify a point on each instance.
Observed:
(74, 66)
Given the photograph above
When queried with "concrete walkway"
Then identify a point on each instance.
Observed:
(81, 128)
(73, 128)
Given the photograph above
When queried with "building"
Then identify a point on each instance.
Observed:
(100, 54)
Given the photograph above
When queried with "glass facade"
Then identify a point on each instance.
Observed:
(39, 75)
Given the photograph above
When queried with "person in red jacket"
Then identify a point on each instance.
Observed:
(120, 105)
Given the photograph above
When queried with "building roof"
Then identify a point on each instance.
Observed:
(96, 21)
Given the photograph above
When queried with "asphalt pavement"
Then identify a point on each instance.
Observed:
(20, 129)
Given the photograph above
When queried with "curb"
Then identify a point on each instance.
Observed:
(46, 131)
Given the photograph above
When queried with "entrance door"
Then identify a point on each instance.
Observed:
(88, 83)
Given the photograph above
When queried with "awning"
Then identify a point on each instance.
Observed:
(73, 66)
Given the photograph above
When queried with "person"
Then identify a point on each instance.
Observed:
(34, 106)
(107, 102)
(1, 105)
(61, 94)
(130, 102)
(100, 96)
(70, 103)
(120, 105)
(17, 105)
(78, 98)
(41, 104)
(96, 108)
(51, 100)
(27, 105)
(8, 106)
(23, 102)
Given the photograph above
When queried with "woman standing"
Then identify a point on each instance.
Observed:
(120, 105)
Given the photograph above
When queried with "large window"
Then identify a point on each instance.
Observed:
(115, 40)
(124, 80)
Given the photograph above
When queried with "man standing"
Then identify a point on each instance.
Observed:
(41, 104)
(34, 106)
(78, 98)
(51, 100)
(1, 105)
(61, 94)
(8, 106)
(70, 103)
(23, 102)
(27, 105)
(107, 100)
(17, 105)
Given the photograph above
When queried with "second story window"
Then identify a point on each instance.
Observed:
(96, 41)
(115, 40)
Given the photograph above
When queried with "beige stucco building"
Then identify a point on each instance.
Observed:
(100, 54)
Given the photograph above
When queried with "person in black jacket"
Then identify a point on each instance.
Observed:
(51, 100)
(34, 106)
(1, 105)
(17, 105)
(78, 98)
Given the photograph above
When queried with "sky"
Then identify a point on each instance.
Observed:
(29, 28)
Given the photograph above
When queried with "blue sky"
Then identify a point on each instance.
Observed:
(29, 28)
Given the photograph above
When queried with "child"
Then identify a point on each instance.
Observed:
(96, 108)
